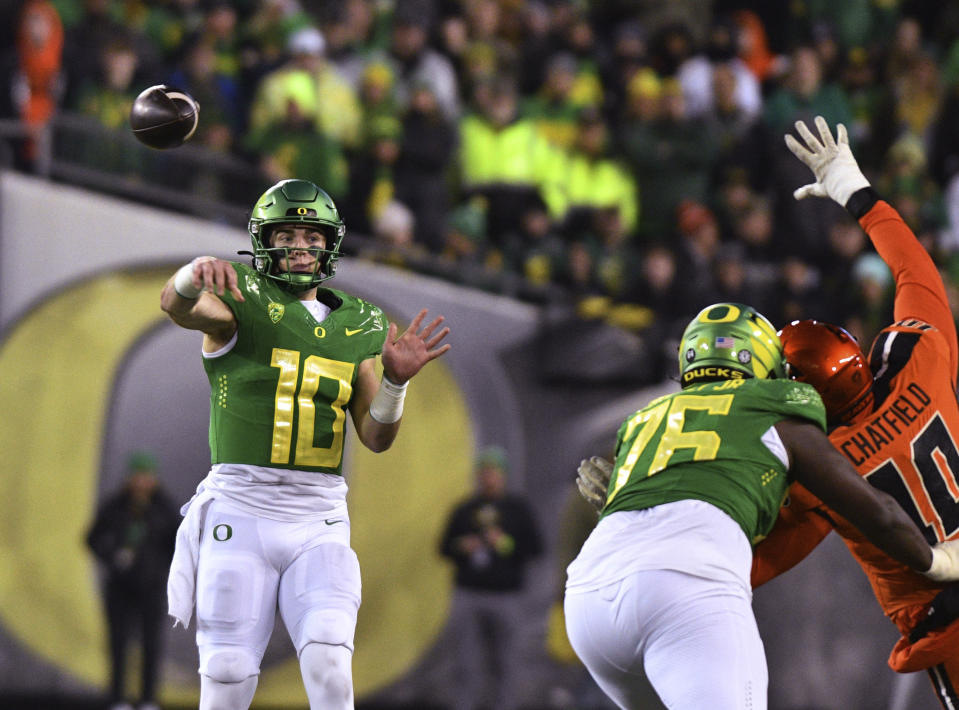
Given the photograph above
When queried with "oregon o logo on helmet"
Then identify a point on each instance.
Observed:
(301, 211)
(222, 532)
(723, 313)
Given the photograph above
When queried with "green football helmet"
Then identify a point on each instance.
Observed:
(295, 202)
(729, 341)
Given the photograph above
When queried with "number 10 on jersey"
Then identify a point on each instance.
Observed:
(295, 390)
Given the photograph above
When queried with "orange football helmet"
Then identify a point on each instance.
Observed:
(828, 358)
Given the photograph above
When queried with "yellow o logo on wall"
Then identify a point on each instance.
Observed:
(59, 375)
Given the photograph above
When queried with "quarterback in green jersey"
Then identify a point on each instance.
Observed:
(287, 359)
(661, 588)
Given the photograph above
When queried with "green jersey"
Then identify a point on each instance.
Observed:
(707, 443)
(279, 397)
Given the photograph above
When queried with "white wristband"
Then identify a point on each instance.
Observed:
(183, 279)
(939, 565)
(387, 404)
(183, 282)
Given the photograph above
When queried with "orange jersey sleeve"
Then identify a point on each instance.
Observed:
(802, 524)
(920, 293)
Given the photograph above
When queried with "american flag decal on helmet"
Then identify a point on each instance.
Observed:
(723, 341)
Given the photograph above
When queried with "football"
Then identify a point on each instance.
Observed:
(164, 117)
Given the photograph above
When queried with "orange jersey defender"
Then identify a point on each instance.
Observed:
(908, 446)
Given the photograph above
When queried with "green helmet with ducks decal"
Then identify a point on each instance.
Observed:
(295, 202)
(728, 341)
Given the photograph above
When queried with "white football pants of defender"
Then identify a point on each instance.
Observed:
(693, 637)
(247, 567)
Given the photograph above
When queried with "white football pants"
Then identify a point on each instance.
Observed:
(695, 639)
(250, 566)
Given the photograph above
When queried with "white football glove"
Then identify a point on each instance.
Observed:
(592, 479)
(945, 562)
(837, 173)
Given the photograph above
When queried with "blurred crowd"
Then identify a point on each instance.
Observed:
(626, 154)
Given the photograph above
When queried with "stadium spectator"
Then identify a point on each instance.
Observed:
(552, 107)
(490, 537)
(730, 124)
(593, 177)
(805, 93)
(918, 97)
(905, 179)
(269, 527)
(38, 82)
(94, 29)
(871, 105)
(423, 166)
(846, 242)
(354, 31)
(578, 36)
(220, 31)
(265, 36)
(824, 39)
(754, 229)
(505, 159)
(132, 537)
(394, 231)
(797, 292)
(872, 292)
(372, 170)
(536, 251)
(603, 259)
(108, 102)
(672, 157)
(733, 282)
(466, 250)
(315, 85)
(904, 49)
(413, 60)
(697, 74)
(628, 56)
(752, 47)
(291, 145)
(377, 98)
(217, 93)
(802, 95)
(698, 240)
(537, 45)
(170, 26)
(484, 50)
(670, 301)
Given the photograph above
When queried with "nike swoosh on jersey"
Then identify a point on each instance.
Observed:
(352, 332)
(332, 522)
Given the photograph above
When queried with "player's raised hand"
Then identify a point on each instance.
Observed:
(592, 479)
(406, 355)
(837, 173)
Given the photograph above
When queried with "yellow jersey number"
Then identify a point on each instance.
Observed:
(294, 394)
(705, 444)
